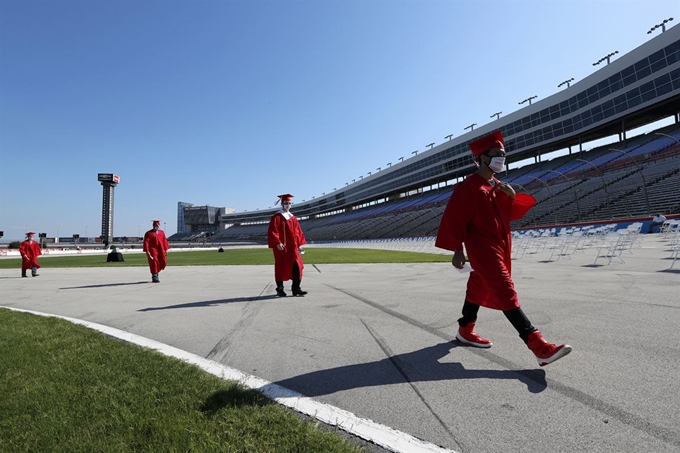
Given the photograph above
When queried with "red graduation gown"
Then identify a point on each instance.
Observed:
(479, 216)
(284, 228)
(31, 251)
(157, 245)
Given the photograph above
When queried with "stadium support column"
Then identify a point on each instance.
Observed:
(109, 181)
(623, 131)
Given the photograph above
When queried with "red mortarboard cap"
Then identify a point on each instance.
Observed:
(157, 222)
(284, 197)
(30, 233)
(494, 140)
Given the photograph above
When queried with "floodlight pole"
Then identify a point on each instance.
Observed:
(662, 25)
(606, 57)
(566, 82)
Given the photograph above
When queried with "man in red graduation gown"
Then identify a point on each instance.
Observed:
(285, 238)
(30, 251)
(478, 215)
(156, 247)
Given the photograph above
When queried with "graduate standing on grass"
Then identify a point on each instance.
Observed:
(30, 251)
(285, 238)
(156, 247)
(478, 215)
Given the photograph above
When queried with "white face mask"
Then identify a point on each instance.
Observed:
(497, 164)
(285, 206)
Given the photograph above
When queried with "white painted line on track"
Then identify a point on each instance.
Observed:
(366, 429)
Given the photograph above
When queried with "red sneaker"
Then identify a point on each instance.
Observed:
(466, 336)
(545, 352)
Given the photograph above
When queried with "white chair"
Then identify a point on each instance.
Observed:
(613, 245)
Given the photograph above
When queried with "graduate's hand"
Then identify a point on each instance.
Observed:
(458, 260)
(506, 189)
(280, 246)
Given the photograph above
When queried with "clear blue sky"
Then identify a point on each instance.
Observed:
(231, 102)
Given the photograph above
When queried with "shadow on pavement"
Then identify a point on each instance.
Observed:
(104, 285)
(210, 303)
(417, 366)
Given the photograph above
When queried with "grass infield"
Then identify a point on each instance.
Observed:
(66, 388)
(232, 257)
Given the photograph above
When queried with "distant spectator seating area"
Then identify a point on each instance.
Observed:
(605, 183)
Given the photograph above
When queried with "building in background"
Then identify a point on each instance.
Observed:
(180, 215)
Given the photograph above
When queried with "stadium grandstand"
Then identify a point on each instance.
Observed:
(629, 178)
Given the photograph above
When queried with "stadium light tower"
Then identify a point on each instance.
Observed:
(527, 100)
(449, 136)
(430, 145)
(389, 164)
(662, 25)
(606, 57)
(415, 152)
(566, 82)
(471, 127)
(401, 159)
(497, 115)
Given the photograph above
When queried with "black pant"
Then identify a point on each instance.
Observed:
(652, 225)
(516, 317)
(296, 278)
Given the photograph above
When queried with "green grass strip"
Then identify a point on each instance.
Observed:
(66, 388)
(232, 257)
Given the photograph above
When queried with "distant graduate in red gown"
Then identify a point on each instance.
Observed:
(285, 238)
(30, 251)
(478, 216)
(156, 247)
